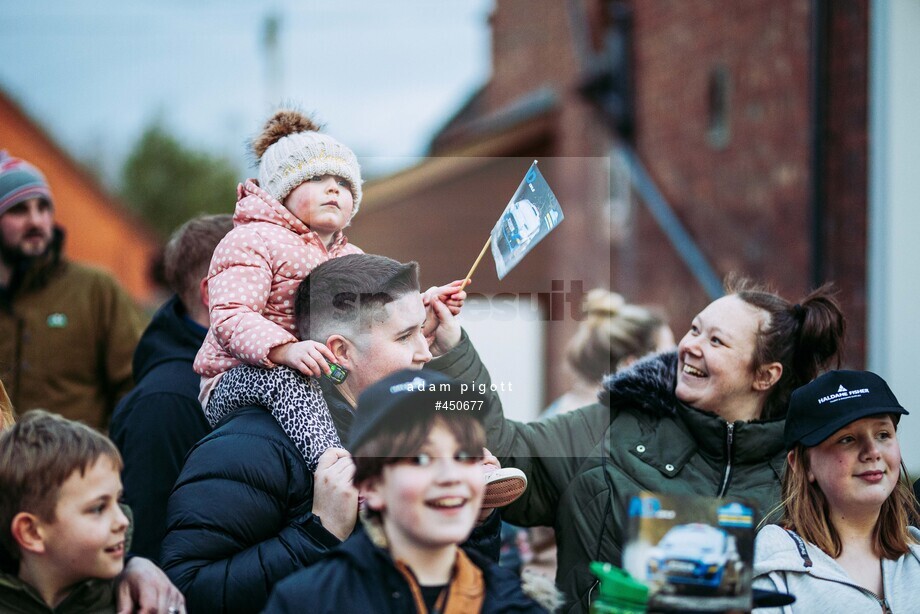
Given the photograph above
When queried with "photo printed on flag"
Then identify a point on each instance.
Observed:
(530, 215)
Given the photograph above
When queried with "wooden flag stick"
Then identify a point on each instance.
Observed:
(469, 275)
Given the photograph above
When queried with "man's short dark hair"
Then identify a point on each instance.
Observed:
(343, 294)
(187, 255)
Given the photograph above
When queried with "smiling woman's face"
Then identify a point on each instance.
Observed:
(715, 359)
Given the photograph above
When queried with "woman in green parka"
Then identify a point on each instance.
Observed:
(706, 420)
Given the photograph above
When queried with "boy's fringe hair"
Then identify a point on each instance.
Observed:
(283, 123)
(39, 454)
(806, 511)
(404, 439)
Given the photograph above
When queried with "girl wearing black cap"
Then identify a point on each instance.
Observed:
(843, 543)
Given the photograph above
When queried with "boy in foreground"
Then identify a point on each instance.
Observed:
(418, 467)
(60, 517)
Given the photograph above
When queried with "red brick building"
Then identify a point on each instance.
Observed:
(749, 118)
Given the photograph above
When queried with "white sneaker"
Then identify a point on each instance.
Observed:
(503, 486)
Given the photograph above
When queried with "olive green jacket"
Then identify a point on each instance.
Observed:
(583, 466)
(67, 337)
(87, 597)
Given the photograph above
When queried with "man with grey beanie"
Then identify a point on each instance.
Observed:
(67, 331)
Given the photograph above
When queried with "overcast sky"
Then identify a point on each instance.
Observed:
(382, 75)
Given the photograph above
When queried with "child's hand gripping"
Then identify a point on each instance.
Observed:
(308, 357)
(451, 295)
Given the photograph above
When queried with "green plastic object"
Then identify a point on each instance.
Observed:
(619, 592)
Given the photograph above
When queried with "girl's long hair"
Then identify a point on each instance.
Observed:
(806, 511)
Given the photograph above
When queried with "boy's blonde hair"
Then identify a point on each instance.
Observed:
(39, 454)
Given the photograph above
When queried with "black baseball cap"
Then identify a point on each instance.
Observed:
(832, 401)
(771, 599)
(400, 399)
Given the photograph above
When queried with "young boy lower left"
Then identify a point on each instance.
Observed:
(61, 520)
(419, 470)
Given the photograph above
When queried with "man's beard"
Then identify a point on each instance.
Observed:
(14, 257)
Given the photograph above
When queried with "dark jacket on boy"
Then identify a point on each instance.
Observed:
(159, 421)
(88, 597)
(361, 577)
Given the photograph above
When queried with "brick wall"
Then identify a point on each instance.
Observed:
(744, 194)
(746, 201)
(846, 180)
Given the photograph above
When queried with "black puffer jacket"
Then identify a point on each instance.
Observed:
(360, 577)
(240, 516)
(239, 519)
(159, 421)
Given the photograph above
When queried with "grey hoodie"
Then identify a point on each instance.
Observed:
(825, 586)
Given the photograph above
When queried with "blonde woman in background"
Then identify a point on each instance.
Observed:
(6, 410)
(613, 335)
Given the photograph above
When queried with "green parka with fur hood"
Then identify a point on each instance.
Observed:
(582, 466)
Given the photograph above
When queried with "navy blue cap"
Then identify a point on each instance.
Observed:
(819, 409)
(400, 398)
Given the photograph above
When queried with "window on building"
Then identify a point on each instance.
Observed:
(718, 107)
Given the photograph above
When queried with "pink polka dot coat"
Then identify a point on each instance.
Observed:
(253, 278)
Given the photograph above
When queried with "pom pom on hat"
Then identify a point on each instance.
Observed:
(280, 125)
(20, 181)
(291, 150)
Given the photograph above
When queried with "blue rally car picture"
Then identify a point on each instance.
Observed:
(696, 555)
(521, 222)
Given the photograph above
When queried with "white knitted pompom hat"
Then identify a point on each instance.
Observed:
(291, 150)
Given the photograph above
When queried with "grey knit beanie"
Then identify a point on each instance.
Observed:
(291, 150)
(20, 181)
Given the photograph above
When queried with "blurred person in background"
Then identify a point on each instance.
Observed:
(612, 335)
(67, 331)
(161, 419)
(6, 409)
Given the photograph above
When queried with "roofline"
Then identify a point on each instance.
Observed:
(387, 191)
(529, 106)
(109, 200)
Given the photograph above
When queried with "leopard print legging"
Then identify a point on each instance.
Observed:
(295, 400)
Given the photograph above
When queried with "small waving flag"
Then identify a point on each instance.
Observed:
(530, 215)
